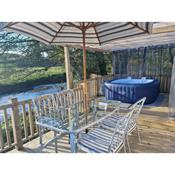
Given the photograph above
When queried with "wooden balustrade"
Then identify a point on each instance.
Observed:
(94, 85)
(17, 119)
(17, 124)
(165, 81)
(6, 140)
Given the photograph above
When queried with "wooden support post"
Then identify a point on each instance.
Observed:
(69, 77)
(85, 100)
(144, 62)
(1, 138)
(113, 63)
(95, 77)
(16, 124)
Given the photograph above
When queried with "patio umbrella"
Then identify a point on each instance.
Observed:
(80, 33)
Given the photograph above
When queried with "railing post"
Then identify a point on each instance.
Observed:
(86, 99)
(16, 124)
(94, 77)
(69, 76)
(97, 79)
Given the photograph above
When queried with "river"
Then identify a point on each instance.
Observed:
(31, 94)
(34, 92)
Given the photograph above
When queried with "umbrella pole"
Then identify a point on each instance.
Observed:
(84, 74)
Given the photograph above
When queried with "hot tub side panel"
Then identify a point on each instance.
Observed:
(132, 93)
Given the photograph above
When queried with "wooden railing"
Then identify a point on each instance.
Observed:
(17, 122)
(165, 81)
(94, 85)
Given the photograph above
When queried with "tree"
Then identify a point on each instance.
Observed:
(23, 58)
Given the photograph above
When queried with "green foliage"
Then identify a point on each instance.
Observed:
(97, 62)
(4, 136)
(24, 60)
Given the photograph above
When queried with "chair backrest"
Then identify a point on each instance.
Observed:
(44, 105)
(60, 106)
(137, 107)
(64, 101)
(122, 128)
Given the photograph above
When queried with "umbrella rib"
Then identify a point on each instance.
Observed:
(88, 24)
(81, 24)
(10, 24)
(97, 34)
(28, 33)
(135, 25)
(57, 33)
(72, 24)
(119, 31)
(121, 37)
(91, 24)
(113, 28)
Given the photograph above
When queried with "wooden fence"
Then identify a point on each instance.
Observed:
(165, 81)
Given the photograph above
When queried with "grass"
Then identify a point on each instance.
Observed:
(14, 78)
(18, 75)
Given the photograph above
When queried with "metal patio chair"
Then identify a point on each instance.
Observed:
(111, 122)
(101, 140)
(57, 113)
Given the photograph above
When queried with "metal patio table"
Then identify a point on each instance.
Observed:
(92, 120)
(75, 120)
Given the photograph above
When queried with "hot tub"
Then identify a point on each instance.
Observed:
(130, 90)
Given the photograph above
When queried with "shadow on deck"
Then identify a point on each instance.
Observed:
(157, 133)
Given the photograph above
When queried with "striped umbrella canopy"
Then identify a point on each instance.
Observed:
(96, 33)
(80, 33)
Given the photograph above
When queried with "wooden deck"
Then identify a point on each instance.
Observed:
(157, 133)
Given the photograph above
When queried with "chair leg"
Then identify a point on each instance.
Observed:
(40, 135)
(69, 139)
(127, 139)
(56, 145)
(138, 134)
(124, 145)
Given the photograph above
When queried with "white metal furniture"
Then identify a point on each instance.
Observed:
(56, 113)
(111, 122)
(101, 140)
(88, 122)
(65, 116)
